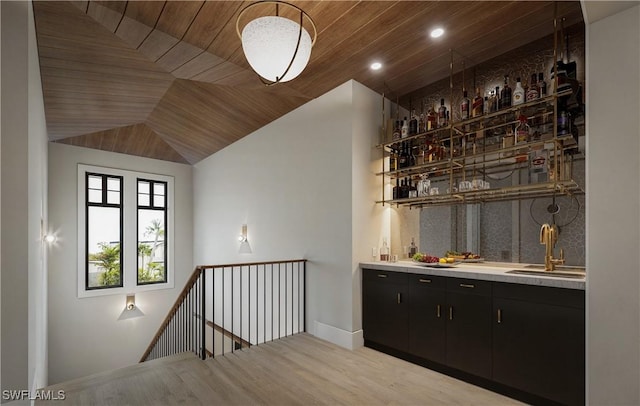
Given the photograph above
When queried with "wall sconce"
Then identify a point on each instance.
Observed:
(130, 309)
(49, 238)
(245, 248)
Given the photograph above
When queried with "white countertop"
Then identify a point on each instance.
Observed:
(488, 271)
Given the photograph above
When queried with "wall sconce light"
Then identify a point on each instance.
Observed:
(130, 309)
(49, 238)
(245, 248)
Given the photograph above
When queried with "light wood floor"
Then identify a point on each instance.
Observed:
(297, 370)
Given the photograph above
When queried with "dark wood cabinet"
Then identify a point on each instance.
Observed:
(539, 341)
(469, 326)
(384, 308)
(427, 317)
(529, 339)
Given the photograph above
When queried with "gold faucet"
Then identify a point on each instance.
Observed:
(549, 237)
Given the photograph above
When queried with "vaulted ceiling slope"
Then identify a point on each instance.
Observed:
(168, 79)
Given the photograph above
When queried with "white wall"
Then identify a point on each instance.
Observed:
(38, 218)
(613, 209)
(291, 182)
(23, 203)
(85, 336)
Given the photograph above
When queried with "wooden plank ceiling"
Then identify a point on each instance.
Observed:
(168, 80)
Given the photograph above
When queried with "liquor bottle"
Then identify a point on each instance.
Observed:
(393, 160)
(486, 105)
(477, 108)
(522, 130)
(498, 101)
(464, 106)
(413, 123)
(447, 120)
(384, 250)
(404, 189)
(532, 93)
(412, 248)
(432, 119)
(422, 123)
(396, 189)
(518, 93)
(542, 85)
(505, 94)
(413, 190)
(493, 101)
(442, 114)
(403, 159)
(404, 130)
(396, 130)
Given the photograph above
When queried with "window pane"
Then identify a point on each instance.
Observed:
(95, 196)
(113, 197)
(158, 189)
(158, 201)
(143, 200)
(103, 268)
(151, 246)
(113, 184)
(143, 187)
(95, 182)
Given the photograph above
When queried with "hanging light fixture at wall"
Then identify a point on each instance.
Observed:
(277, 48)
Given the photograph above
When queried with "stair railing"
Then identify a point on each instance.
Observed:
(224, 308)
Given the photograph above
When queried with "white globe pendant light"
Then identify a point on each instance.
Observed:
(277, 48)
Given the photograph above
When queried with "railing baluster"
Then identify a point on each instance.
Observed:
(185, 327)
(204, 315)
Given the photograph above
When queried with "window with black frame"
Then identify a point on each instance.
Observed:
(104, 220)
(151, 231)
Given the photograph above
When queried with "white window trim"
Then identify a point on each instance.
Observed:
(129, 232)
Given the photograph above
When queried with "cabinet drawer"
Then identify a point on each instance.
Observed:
(471, 286)
(540, 294)
(427, 281)
(376, 276)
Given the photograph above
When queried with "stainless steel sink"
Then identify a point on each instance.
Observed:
(559, 267)
(577, 273)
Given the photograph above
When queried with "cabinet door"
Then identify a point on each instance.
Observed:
(427, 317)
(539, 348)
(469, 333)
(385, 315)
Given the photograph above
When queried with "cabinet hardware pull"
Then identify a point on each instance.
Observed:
(499, 316)
(438, 311)
(425, 280)
(464, 285)
(399, 298)
(381, 275)
(450, 312)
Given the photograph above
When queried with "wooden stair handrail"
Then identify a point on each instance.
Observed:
(289, 261)
(187, 288)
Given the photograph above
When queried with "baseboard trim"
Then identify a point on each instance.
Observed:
(346, 339)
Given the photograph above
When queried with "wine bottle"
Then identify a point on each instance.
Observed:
(542, 85)
(442, 114)
(396, 189)
(505, 94)
(413, 123)
(464, 106)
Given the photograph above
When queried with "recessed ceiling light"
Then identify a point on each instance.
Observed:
(376, 66)
(437, 33)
